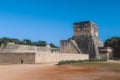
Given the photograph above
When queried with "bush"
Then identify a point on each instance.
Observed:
(75, 61)
(66, 62)
(92, 60)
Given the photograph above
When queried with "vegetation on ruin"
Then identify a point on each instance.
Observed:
(5, 40)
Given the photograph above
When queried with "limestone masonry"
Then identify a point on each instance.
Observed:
(84, 44)
(24, 54)
(84, 41)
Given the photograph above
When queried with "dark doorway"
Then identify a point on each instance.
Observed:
(21, 61)
(116, 52)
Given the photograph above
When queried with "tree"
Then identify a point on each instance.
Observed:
(27, 42)
(52, 45)
(17, 41)
(112, 42)
(41, 43)
(4, 40)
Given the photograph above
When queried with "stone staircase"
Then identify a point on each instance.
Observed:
(75, 46)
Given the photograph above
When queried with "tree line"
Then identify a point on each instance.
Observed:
(112, 42)
(5, 40)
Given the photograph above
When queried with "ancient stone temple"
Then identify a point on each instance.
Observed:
(12, 53)
(84, 41)
(83, 45)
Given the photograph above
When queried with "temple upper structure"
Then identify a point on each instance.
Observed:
(84, 41)
(85, 28)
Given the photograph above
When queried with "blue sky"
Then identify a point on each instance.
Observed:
(52, 20)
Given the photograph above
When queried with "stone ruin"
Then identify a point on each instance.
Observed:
(12, 47)
(24, 54)
(83, 45)
(84, 41)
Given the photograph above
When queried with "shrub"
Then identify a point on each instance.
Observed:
(66, 62)
(75, 61)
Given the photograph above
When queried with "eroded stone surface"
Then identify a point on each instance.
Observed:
(84, 41)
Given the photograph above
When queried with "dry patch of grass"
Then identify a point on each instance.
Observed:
(102, 70)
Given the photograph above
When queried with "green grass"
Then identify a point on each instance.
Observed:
(77, 61)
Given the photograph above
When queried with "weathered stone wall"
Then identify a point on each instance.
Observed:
(106, 53)
(85, 28)
(38, 57)
(85, 40)
(17, 58)
(68, 47)
(23, 48)
(56, 57)
(17, 54)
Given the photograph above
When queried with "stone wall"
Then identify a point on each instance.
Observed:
(56, 57)
(106, 53)
(84, 41)
(67, 46)
(38, 57)
(85, 28)
(17, 58)
(11, 47)
(17, 54)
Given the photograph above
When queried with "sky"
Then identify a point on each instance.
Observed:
(52, 20)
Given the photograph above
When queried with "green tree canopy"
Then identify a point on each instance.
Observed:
(41, 43)
(112, 42)
(5, 40)
(27, 42)
(52, 45)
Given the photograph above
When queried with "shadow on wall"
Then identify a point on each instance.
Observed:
(21, 61)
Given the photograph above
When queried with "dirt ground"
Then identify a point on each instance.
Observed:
(54, 72)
